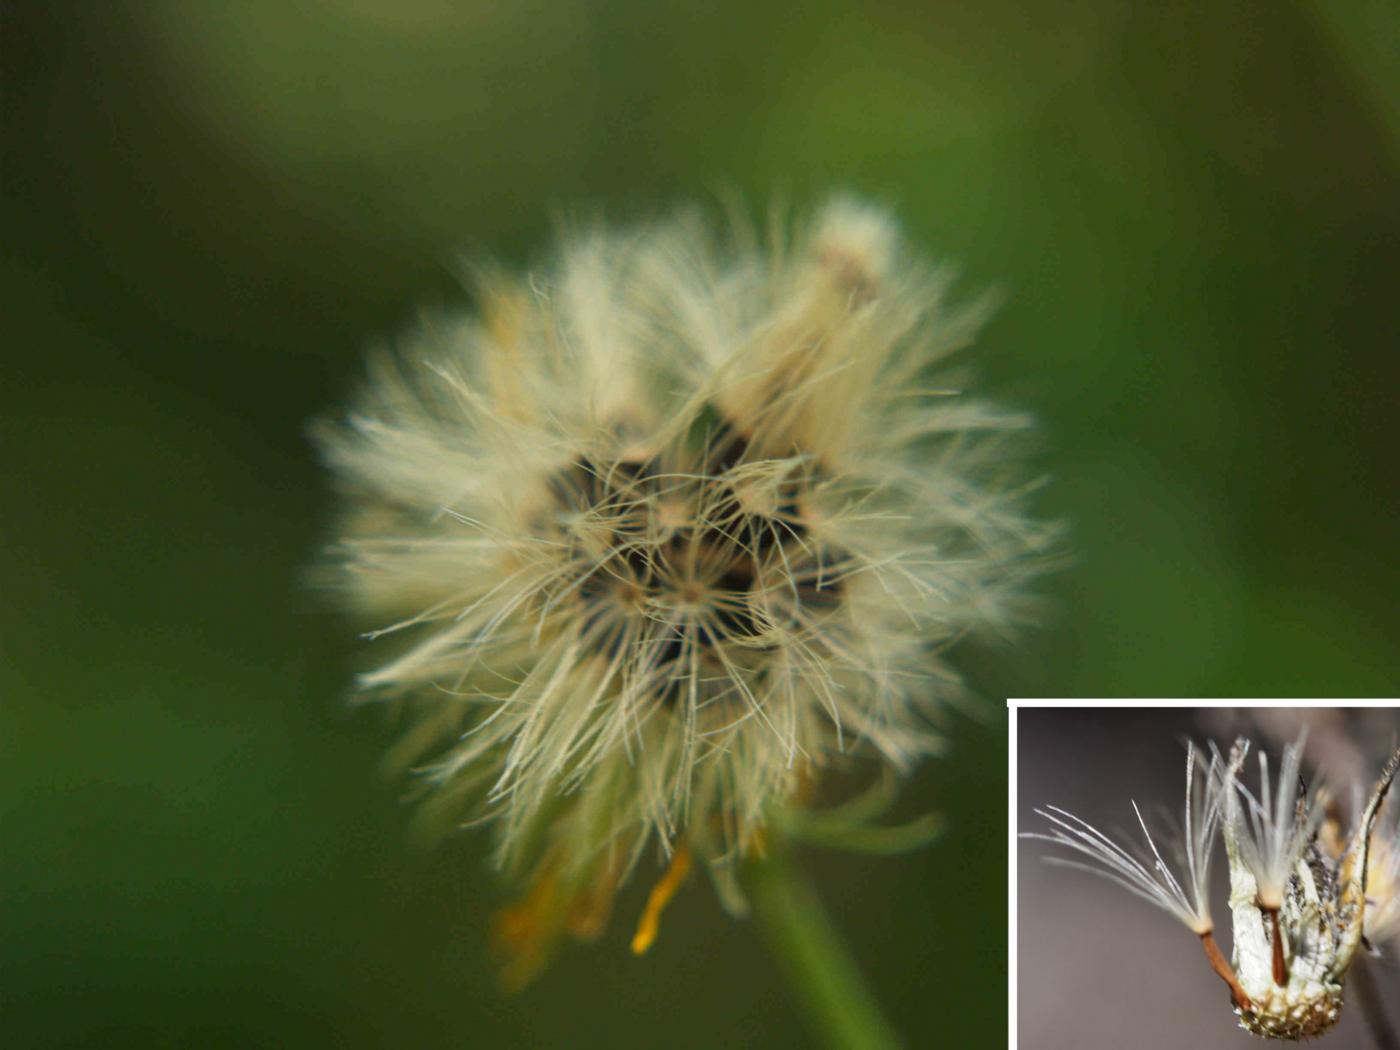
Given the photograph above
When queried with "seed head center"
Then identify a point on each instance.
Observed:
(685, 552)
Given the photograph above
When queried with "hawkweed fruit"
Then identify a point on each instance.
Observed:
(667, 528)
(1304, 895)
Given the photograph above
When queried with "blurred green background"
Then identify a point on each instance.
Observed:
(212, 208)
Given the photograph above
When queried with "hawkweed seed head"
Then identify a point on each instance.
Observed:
(1303, 897)
(1293, 949)
(666, 529)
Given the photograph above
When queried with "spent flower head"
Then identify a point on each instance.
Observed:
(662, 531)
(1302, 895)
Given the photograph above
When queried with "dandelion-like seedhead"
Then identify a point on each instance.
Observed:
(665, 529)
(1303, 897)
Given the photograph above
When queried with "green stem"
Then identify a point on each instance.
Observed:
(843, 1012)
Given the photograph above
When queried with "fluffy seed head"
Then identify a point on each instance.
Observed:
(669, 525)
(1293, 957)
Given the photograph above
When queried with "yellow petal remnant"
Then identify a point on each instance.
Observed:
(525, 933)
(661, 895)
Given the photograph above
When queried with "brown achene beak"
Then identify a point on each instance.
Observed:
(1280, 964)
(1224, 971)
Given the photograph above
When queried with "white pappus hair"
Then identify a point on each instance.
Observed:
(1145, 873)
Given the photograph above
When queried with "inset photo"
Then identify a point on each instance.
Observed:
(1206, 876)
